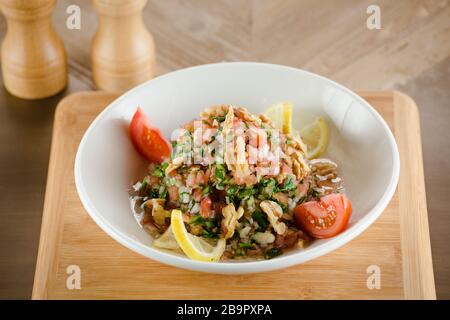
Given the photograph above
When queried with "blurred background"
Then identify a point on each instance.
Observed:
(410, 53)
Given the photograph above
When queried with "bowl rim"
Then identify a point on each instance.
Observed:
(243, 266)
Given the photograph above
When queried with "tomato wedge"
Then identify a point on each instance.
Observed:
(148, 140)
(324, 218)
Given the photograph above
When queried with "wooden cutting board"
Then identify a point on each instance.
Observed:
(398, 242)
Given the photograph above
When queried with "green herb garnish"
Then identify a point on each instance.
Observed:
(220, 172)
(160, 170)
(196, 220)
(162, 192)
(272, 253)
(261, 219)
(154, 193)
(267, 188)
(288, 184)
(246, 193)
(220, 119)
(282, 205)
(208, 224)
(143, 186)
(232, 190)
(246, 245)
(206, 189)
(209, 234)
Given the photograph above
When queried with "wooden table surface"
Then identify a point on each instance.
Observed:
(411, 53)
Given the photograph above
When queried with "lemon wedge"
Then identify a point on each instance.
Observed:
(195, 247)
(166, 240)
(315, 136)
(281, 116)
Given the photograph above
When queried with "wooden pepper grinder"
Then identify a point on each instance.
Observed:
(34, 63)
(123, 52)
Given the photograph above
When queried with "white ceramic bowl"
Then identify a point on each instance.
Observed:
(360, 142)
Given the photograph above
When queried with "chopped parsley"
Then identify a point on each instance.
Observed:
(261, 219)
(246, 193)
(160, 170)
(206, 189)
(209, 234)
(288, 185)
(220, 119)
(246, 245)
(209, 226)
(220, 172)
(272, 253)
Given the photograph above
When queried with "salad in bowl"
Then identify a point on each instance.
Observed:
(204, 169)
(232, 185)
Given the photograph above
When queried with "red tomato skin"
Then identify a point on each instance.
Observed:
(205, 207)
(173, 193)
(324, 209)
(147, 140)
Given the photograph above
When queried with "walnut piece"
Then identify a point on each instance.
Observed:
(247, 116)
(325, 177)
(242, 169)
(300, 167)
(323, 167)
(264, 238)
(274, 213)
(175, 164)
(230, 219)
(228, 122)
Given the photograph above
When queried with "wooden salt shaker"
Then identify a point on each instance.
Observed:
(34, 63)
(123, 51)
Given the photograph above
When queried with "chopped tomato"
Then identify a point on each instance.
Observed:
(205, 207)
(148, 140)
(324, 218)
(197, 194)
(201, 178)
(190, 180)
(173, 193)
(303, 187)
